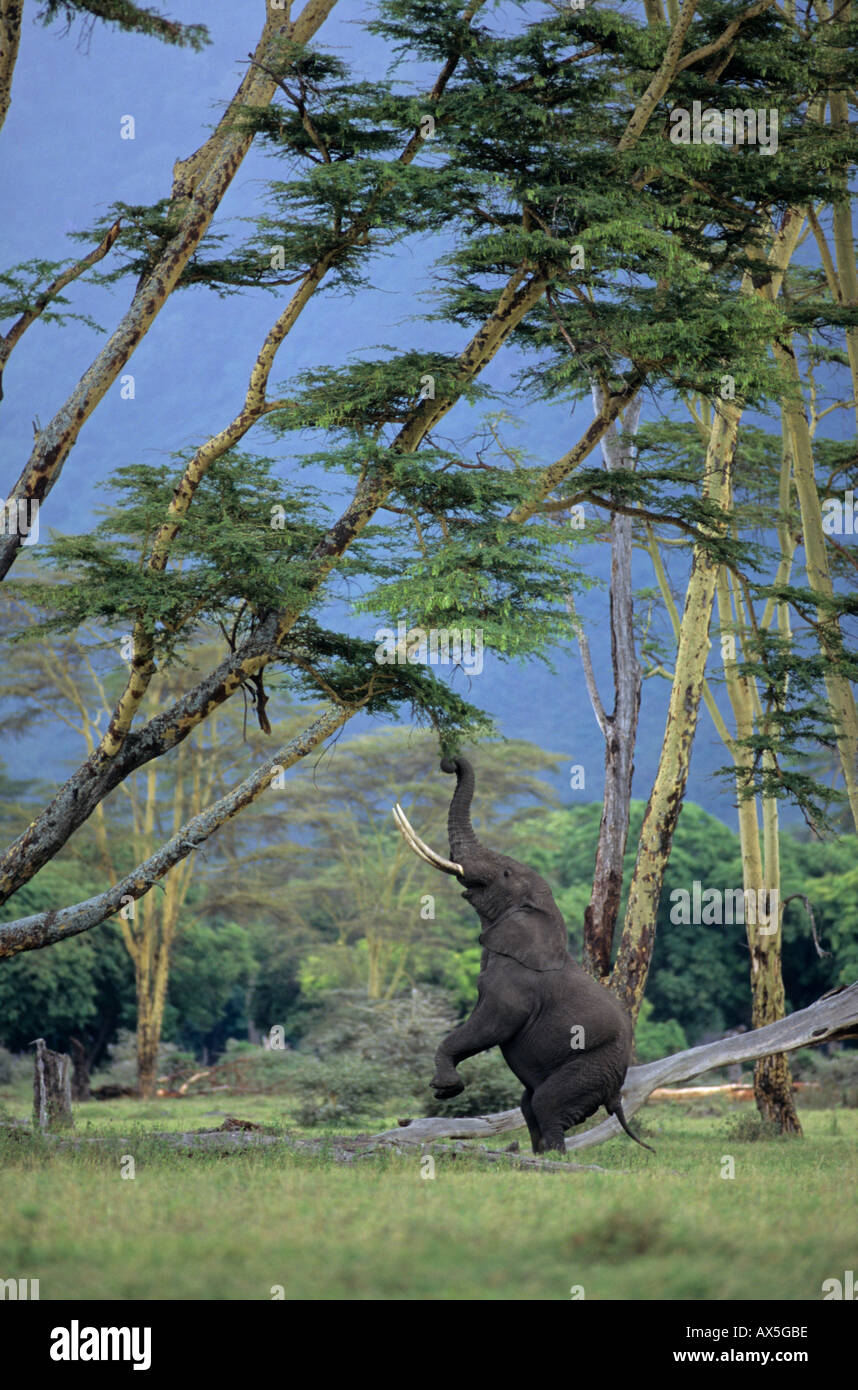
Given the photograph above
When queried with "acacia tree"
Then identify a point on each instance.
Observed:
(760, 227)
(377, 407)
(547, 144)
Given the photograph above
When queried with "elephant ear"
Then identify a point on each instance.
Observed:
(531, 936)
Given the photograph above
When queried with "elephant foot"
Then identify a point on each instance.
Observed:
(444, 1092)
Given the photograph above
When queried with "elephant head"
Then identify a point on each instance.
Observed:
(518, 914)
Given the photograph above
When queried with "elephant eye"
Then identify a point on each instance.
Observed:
(506, 873)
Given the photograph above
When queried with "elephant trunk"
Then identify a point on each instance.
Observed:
(463, 842)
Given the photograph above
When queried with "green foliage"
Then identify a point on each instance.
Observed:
(231, 561)
(400, 1035)
(833, 1074)
(749, 1128)
(145, 232)
(654, 1040)
(119, 1067)
(81, 988)
(363, 396)
(23, 290)
(797, 724)
(459, 971)
(128, 17)
(339, 1091)
(210, 963)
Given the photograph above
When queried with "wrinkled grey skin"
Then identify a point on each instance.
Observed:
(532, 996)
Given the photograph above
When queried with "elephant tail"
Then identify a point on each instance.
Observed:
(615, 1108)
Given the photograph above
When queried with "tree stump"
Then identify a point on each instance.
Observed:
(52, 1089)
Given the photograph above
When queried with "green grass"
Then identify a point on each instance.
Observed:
(200, 1226)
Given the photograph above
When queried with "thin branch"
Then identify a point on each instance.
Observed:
(41, 302)
(727, 37)
(802, 897)
(589, 673)
(46, 928)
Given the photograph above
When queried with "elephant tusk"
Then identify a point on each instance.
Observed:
(414, 841)
(407, 837)
(438, 860)
(420, 848)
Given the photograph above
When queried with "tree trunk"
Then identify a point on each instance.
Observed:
(51, 1089)
(10, 37)
(80, 1073)
(841, 699)
(620, 727)
(760, 874)
(628, 979)
(773, 1086)
(148, 1040)
(774, 1094)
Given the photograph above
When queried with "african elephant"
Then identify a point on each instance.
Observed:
(566, 1038)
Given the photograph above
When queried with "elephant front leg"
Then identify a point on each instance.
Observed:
(484, 1029)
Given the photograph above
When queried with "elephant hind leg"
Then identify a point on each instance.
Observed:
(531, 1122)
(564, 1099)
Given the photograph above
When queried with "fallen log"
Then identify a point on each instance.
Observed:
(733, 1090)
(833, 1017)
(235, 1134)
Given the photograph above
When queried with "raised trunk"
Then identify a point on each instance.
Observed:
(463, 841)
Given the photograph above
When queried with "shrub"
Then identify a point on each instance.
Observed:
(749, 1129)
(121, 1070)
(401, 1035)
(835, 1070)
(654, 1040)
(334, 1092)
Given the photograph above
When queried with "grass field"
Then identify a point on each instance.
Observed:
(192, 1225)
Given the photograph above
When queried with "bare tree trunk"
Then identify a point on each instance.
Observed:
(51, 1089)
(620, 727)
(841, 698)
(662, 812)
(760, 871)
